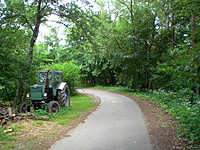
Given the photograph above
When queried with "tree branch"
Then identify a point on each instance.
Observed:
(124, 4)
(28, 22)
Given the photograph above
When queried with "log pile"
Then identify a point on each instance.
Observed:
(8, 114)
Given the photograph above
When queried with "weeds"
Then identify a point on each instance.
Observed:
(185, 107)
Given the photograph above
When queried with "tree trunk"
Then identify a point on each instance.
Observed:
(194, 42)
(194, 28)
(17, 93)
(35, 30)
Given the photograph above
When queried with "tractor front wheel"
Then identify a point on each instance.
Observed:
(23, 107)
(53, 107)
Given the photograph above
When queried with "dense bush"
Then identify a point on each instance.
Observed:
(185, 107)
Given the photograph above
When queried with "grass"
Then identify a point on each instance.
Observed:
(125, 90)
(116, 89)
(5, 139)
(79, 104)
(50, 133)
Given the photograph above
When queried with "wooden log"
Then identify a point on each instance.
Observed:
(2, 104)
(4, 121)
(10, 114)
(21, 114)
(38, 116)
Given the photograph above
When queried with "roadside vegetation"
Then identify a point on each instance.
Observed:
(9, 136)
(184, 106)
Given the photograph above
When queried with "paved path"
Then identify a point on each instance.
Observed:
(117, 124)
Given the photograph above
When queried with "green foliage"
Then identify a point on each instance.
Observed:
(41, 112)
(184, 106)
(125, 56)
(14, 65)
(183, 70)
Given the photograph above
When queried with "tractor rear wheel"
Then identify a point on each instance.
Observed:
(63, 97)
(23, 108)
(53, 107)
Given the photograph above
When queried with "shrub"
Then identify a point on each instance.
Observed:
(185, 107)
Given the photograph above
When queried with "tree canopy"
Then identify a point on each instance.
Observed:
(141, 44)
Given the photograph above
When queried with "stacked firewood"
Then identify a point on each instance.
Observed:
(8, 114)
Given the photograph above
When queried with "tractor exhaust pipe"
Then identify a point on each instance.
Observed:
(47, 80)
(48, 91)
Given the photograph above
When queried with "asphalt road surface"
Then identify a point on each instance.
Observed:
(117, 124)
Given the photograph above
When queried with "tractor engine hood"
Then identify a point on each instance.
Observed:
(37, 92)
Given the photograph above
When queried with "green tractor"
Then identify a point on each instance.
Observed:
(49, 93)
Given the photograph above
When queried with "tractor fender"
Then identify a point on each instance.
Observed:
(62, 85)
